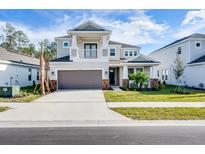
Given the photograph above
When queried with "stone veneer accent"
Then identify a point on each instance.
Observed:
(154, 83)
(54, 83)
(105, 84)
(125, 83)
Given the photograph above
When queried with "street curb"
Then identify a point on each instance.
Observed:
(35, 124)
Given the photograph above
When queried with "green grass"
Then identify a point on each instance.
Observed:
(178, 113)
(27, 95)
(163, 95)
(3, 109)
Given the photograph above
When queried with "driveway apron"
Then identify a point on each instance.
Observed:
(65, 105)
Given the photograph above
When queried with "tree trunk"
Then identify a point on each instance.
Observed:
(46, 78)
(42, 73)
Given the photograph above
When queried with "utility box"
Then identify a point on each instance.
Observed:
(9, 91)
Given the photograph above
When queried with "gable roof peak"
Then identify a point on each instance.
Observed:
(89, 26)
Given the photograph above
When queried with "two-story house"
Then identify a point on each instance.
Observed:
(87, 58)
(191, 50)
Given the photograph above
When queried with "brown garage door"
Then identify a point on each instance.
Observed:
(80, 79)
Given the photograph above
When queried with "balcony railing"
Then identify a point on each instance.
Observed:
(89, 53)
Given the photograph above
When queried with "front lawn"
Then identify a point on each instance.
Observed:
(163, 95)
(3, 109)
(178, 113)
(26, 95)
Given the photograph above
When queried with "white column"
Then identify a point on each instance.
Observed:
(74, 41)
(125, 72)
(104, 41)
(74, 46)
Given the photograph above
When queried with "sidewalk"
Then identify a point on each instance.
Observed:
(155, 104)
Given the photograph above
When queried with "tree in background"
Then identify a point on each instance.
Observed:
(22, 39)
(178, 71)
(9, 42)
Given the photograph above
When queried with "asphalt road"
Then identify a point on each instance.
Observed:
(103, 135)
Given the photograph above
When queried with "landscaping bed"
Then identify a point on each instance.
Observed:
(178, 113)
(3, 109)
(165, 94)
(26, 95)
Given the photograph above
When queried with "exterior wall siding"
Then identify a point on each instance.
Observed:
(13, 74)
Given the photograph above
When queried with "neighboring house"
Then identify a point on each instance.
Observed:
(191, 49)
(18, 69)
(87, 58)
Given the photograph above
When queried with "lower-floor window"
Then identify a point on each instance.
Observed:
(130, 70)
(37, 76)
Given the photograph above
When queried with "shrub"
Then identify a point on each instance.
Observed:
(140, 79)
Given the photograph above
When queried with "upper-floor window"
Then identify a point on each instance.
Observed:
(130, 53)
(197, 44)
(179, 50)
(65, 44)
(135, 53)
(157, 73)
(126, 53)
(112, 52)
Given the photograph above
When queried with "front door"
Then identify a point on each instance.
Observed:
(112, 76)
(90, 50)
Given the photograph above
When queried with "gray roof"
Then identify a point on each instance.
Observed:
(89, 26)
(18, 58)
(195, 35)
(62, 59)
(199, 60)
(123, 45)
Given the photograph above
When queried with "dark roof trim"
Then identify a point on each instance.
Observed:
(124, 45)
(199, 60)
(62, 59)
(195, 35)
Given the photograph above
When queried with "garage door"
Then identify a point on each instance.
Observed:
(80, 79)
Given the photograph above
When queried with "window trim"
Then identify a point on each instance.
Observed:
(135, 51)
(114, 52)
(126, 51)
(196, 45)
(130, 52)
(65, 42)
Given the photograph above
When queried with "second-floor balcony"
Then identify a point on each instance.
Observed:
(84, 55)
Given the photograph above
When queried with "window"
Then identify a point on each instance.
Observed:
(37, 76)
(130, 70)
(126, 53)
(29, 74)
(158, 73)
(139, 69)
(166, 74)
(179, 50)
(130, 53)
(163, 74)
(135, 53)
(112, 52)
(198, 44)
(65, 44)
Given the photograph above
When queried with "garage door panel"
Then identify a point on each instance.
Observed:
(80, 79)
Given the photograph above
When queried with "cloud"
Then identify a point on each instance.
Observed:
(193, 22)
(129, 26)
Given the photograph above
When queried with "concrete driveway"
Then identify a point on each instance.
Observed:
(69, 96)
(67, 105)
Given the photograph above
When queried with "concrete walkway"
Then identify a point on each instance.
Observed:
(155, 104)
(70, 105)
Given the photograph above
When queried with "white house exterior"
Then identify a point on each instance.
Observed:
(191, 50)
(18, 69)
(87, 58)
